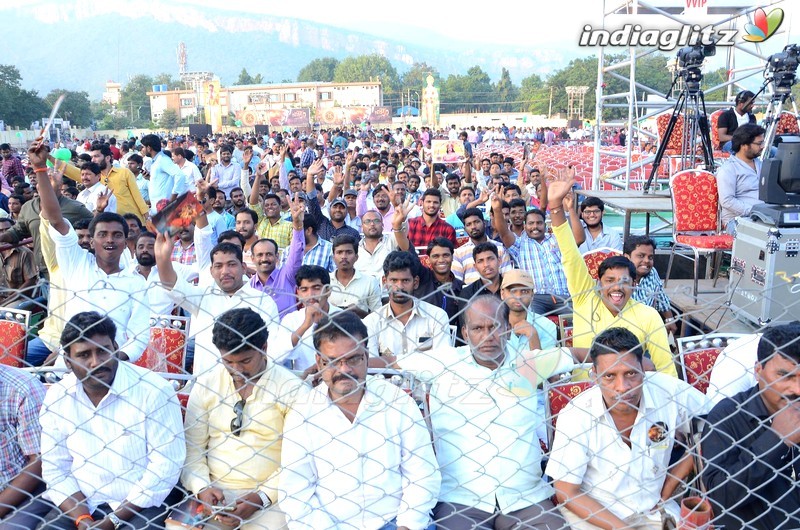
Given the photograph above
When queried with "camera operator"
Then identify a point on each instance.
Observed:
(736, 116)
(737, 179)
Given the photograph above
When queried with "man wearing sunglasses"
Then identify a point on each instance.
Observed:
(234, 422)
(357, 455)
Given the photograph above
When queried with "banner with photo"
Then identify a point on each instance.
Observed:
(355, 115)
(275, 117)
(448, 151)
(212, 104)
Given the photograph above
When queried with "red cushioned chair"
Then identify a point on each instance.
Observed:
(787, 124)
(166, 349)
(14, 325)
(594, 258)
(557, 396)
(565, 329)
(697, 355)
(695, 227)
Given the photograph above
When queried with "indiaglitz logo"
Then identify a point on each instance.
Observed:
(764, 25)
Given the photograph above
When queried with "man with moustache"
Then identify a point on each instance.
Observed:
(96, 282)
(119, 471)
(404, 324)
(94, 191)
(228, 172)
(234, 426)
(751, 441)
(438, 285)
(246, 222)
(375, 246)
(183, 250)
(279, 281)
(380, 199)
(206, 303)
(271, 224)
(145, 266)
(537, 253)
(463, 262)
(738, 178)
(610, 459)
(351, 289)
(237, 200)
(357, 455)
(120, 181)
(166, 178)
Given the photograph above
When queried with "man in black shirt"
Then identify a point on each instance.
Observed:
(751, 442)
(735, 116)
(437, 284)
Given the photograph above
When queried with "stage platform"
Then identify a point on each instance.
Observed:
(709, 313)
(629, 202)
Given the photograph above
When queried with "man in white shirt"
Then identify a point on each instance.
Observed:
(484, 414)
(96, 281)
(189, 169)
(610, 459)
(294, 347)
(112, 435)
(375, 245)
(205, 304)
(350, 289)
(94, 192)
(357, 455)
(404, 325)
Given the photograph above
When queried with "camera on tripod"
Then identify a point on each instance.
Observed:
(690, 59)
(781, 68)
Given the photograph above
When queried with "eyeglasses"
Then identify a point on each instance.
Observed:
(592, 212)
(351, 362)
(236, 423)
(371, 221)
(757, 143)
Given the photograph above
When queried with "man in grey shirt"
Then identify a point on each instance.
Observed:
(737, 179)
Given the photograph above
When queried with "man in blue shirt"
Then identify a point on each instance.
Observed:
(167, 181)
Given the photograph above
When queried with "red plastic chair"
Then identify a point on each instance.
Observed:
(565, 329)
(166, 349)
(557, 396)
(697, 355)
(696, 222)
(594, 258)
(14, 325)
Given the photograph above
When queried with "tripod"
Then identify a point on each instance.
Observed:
(691, 104)
(773, 112)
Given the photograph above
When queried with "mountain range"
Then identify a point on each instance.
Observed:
(79, 45)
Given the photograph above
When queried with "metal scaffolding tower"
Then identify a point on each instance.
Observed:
(744, 60)
(576, 96)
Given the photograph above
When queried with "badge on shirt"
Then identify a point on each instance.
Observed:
(657, 433)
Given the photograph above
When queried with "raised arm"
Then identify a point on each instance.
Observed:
(399, 227)
(499, 222)
(51, 210)
(163, 252)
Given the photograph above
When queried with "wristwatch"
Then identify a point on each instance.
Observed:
(265, 500)
(114, 520)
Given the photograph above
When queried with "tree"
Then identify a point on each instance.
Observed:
(75, 108)
(368, 67)
(167, 79)
(507, 93)
(467, 93)
(18, 107)
(415, 77)
(169, 120)
(246, 79)
(319, 70)
(535, 95)
(135, 102)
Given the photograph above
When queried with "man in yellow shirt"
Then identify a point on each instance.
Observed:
(121, 181)
(606, 303)
(234, 426)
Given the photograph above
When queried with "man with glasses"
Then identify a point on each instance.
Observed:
(357, 455)
(591, 234)
(738, 178)
(234, 423)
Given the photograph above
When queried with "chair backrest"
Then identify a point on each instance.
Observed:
(416, 388)
(714, 120)
(14, 325)
(565, 329)
(557, 396)
(166, 349)
(697, 355)
(594, 258)
(787, 124)
(676, 138)
(695, 202)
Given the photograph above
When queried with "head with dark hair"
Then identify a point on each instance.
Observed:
(232, 236)
(90, 174)
(778, 366)
(152, 144)
(748, 139)
(617, 356)
(485, 329)
(227, 267)
(534, 224)
(431, 202)
(82, 224)
(744, 101)
(109, 232)
(313, 286)
(511, 192)
(487, 260)
(340, 341)
(102, 155)
(401, 276)
(474, 224)
(616, 277)
(134, 226)
(241, 336)
(641, 251)
(310, 223)
(592, 212)
(89, 344)
(246, 222)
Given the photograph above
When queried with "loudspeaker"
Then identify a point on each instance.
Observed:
(200, 129)
(577, 124)
(262, 130)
